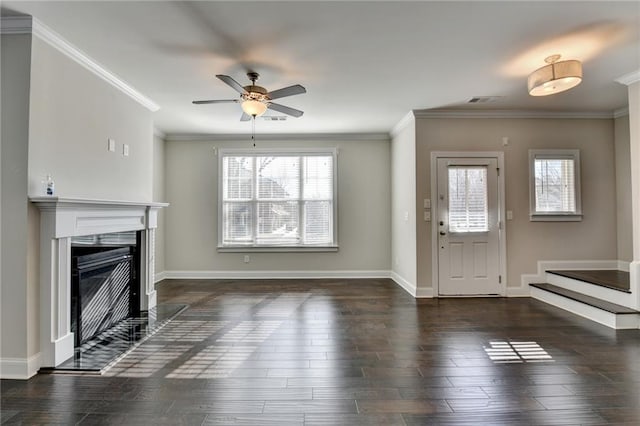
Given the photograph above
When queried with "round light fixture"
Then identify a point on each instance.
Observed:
(555, 77)
(253, 107)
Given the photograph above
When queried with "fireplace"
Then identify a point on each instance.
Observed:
(64, 223)
(104, 282)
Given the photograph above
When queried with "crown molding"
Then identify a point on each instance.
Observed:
(621, 112)
(405, 121)
(331, 137)
(16, 25)
(159, 133)
(629, 79)
(29, 24)
(512, 114)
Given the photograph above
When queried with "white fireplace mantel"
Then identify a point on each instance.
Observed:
(64, 218)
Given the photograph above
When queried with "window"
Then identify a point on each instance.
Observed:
(277, 199)
(468, 199)
(555, 185)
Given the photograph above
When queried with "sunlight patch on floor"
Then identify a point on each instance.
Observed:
(501, 351)
(213, 362)
(146, 360)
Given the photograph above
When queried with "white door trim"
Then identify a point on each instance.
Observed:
(502, 235)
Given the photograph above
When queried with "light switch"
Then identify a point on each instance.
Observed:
(111, 145)
(406, 216)
(509, 215)
(427, 216)
(125, 150)
(427, 203)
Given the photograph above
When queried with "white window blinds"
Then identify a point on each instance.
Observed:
(555, 185)
(468, 199)
(278, 199)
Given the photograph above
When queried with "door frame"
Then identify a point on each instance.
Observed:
(502, 228)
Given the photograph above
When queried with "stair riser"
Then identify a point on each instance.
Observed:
(617, 321)
(613, 296)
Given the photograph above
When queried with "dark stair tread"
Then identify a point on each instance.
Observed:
(589, 300)
(609, 278)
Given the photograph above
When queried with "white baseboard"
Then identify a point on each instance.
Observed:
(402, 282)
(159, 277)
(519, 291)
(19, 368)
(424, 293)
(253, 275)
(623, 265)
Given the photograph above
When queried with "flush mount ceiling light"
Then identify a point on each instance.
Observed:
(555, 77)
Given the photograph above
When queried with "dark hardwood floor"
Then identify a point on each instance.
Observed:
(349, 352)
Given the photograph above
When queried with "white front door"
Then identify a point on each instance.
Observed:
(468, 227)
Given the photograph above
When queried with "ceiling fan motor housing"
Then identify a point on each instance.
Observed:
(257, 93)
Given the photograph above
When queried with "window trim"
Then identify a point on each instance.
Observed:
(560, 154)
(239, 248)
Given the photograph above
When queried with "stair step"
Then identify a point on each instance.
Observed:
(609, 278)
(588, 300)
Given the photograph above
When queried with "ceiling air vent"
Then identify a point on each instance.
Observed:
(483, 99)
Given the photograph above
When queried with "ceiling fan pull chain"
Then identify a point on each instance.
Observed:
(253, 130)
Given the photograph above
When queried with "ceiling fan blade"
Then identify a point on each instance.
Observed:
(231, 82)
(296, 89)
(245, 116)
(217, 101)
(285, 109)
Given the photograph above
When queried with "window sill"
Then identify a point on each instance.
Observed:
(555, 217)
(276, 249)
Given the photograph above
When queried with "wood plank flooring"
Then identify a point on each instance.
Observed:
(349, 352)
(613, 279)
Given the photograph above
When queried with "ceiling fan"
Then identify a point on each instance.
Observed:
(255, 100)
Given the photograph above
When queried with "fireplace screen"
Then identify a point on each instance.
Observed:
(102, 291)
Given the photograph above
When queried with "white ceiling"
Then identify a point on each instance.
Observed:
(364, 64)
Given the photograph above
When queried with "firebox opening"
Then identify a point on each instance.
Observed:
(105, 282)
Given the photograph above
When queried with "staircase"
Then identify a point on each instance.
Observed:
(599, 295)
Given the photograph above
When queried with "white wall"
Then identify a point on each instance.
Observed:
(72, 114)
(15, 311)
(623, 189)
(363, 212)
(594, 238)
(403, 205)
(159, 196)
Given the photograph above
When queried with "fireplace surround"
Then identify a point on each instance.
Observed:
(64, 218)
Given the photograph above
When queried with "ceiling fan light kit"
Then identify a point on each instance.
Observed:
(555, 77)
(254, 107)
(255, 100)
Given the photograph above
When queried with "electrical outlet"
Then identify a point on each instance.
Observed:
(247, 258)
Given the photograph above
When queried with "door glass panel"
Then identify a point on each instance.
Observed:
(468, 199)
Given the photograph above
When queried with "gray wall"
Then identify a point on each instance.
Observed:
(159, 196)
(623, 189)
(73, 113)
(15, 313)
(56, 118)
(403, 203)
(594, 238)
(364, 211)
